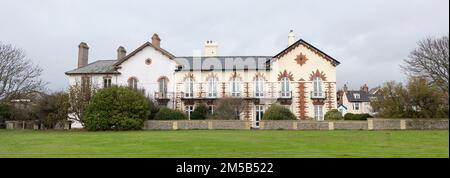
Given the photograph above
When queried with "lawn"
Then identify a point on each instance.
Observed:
(222, 143)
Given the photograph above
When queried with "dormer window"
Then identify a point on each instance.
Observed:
(357, 96)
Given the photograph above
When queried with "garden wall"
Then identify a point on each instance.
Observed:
(370, 124)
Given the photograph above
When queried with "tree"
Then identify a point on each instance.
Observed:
(116, 108)
(153, 108)
(430, 60)
(278, 112)
(53, 109)
(18, 76)
(200, 112)
(229, 108)
(79, 97)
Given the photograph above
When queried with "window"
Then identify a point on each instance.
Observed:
(162, 87)
(317, 90)
(285, 90)
(356, 106)
(235, 87)
(259, 114)
(259, 87)
(211, 109)
(212, 88)
(318, 112)
(357, 96)
(106, 82)
(132, 83)
(189, 109)
(189, 88)
(86, 83)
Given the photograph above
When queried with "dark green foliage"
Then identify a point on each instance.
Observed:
(333, 114)
(52, 109)
(116, 108)
(277, 112)
(200, 112)
(5, 114)
(350, 116)
(170, 114)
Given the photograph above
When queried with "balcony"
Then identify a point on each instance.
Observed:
(317, 95)
(163, 95)
(285, 95)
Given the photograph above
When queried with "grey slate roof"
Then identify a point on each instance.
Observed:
(223, 62)
(97, 67)
(364, 96)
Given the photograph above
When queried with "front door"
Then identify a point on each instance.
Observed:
(259, 112)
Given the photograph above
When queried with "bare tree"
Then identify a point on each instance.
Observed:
(430, 60)
(79, 97)
(18, 76)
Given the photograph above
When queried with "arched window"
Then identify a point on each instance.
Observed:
(259, 87)
(235, 86)
(163, 87)
(133, 83)
(188, 88)
(212, 87)
(317, 90)
(285, 89)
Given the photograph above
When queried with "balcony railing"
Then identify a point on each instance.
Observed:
(317, 95)
(285, 94)
(164, 95)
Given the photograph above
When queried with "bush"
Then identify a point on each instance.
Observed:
(229, 109)
(5, 114)
(277, 112)
(52, 109)
(350, 116)
(170, 114)
(116, 108)
(153, 108)
(200, 112)
(333, 114)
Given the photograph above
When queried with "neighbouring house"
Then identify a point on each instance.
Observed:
(357, 101)
(300, 77)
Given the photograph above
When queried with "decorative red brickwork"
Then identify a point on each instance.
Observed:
(302, 43)
(223, 89)
(301, 59)
(247, 94)
(200, 93)
(329, 96)
(235, 75)
(283, 74)
(317, 74)
(258, 74)
(189, 75)
(301, 105)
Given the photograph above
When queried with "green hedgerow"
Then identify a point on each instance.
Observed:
(277, 112)
(170, 114)
(116, 108)
(200, 112)
(333, 114)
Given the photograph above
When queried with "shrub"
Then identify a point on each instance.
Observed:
(333, 114)
(52, 109)
(170, 114)
(200, 112)
(229, 109)
(116, 108)
(153, 108)
(277, 112)
(5, 114)
(350, 116)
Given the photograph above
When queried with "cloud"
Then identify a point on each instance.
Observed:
(370, 38)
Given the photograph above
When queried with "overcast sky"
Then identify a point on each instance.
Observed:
(369, 38)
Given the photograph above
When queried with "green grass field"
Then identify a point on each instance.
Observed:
(221, 143)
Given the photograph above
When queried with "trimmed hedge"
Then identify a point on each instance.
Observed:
(170, 114)
(333, 114)
(200, 112)
(277, 112)
(350, 116)
(116, 108)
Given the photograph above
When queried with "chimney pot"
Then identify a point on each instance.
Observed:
(291, 37)
(83, 52)
(156, 41)
(210, 48)
(121, 52)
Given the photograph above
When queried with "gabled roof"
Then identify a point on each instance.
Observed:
(363, 96)
(163, 51)
(309, 46)
(97, 67)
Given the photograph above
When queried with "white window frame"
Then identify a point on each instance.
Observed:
(107, 82)
(357, 96)
(285, 87)
(162, 87)
(235, 86)
(259, 87)
(317, 87)
(211, 109)
(188, 88)
(259, 114)
(356, 106)
(318, 112)
(188, 109)
(212, 87)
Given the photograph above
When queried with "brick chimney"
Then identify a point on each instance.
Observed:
(345, 88)
(121, 52)
(365, 88)
(210, 48)
(83, 51)
(291, 37)
(156, 41)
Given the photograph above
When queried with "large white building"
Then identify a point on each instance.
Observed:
(301, 77)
